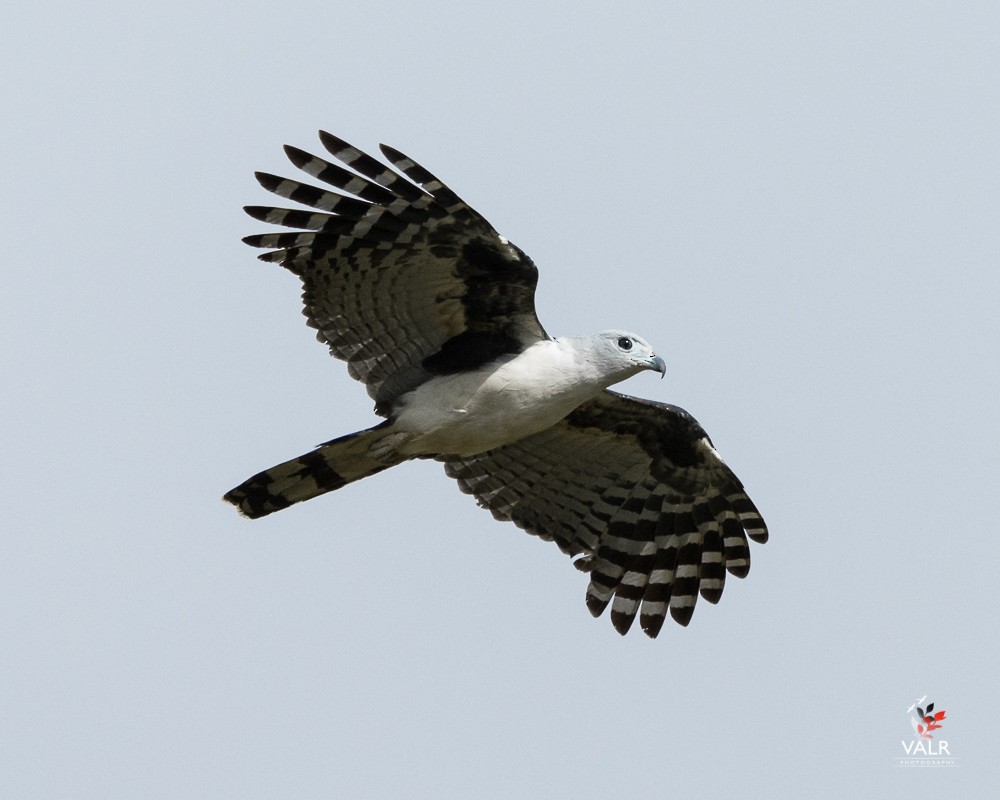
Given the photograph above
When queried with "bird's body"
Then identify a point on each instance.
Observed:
(503, 402)
(434, 311)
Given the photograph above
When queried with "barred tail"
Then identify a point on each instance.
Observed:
(330, 466)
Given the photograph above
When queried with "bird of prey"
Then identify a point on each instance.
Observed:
(434, 312)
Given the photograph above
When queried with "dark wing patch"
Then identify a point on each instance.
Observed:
(635, 488)
(401, 279)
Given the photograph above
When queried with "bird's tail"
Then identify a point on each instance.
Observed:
(330, 466)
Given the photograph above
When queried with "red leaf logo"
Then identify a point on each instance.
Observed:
(925, 721)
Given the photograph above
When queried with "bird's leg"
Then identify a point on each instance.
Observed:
(387, 447)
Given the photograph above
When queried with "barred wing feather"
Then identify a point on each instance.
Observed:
(635, 488)
(400, 277)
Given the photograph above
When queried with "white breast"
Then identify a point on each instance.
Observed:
(472, 412)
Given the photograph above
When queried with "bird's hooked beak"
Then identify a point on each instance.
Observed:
(657, 363)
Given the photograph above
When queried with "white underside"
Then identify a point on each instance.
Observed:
(472, 412)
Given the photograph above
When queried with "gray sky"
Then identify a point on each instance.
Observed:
(795, 203)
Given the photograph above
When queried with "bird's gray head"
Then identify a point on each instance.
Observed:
(623, 354)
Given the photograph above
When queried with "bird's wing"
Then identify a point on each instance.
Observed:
(638, 490)
(402, 282)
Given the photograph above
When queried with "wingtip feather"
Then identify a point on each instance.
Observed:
(682, 614)
(268, 180)
(652, 624)
(332, 143)
(596, 605)
(259, 213)
(297, 156)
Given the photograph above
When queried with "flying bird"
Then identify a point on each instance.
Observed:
(434, 312)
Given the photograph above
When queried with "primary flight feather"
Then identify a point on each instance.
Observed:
(434, 311)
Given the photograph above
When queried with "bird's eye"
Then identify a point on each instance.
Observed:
(625, 343)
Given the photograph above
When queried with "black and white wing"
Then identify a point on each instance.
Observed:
(402, 282)
(637, 489)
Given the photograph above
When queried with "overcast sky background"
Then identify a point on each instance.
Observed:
(797, 203)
